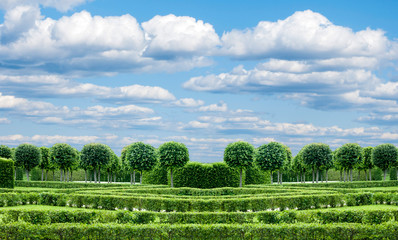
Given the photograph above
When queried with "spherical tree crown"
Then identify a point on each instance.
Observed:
(27, 156)
(317, 154)
(141, 156)
(173, 154)
(5, 152)
(63, 155)
(384, 155)
(349, 155)
(271, 156)
(367, 157)
(95, 154)
(239, 154)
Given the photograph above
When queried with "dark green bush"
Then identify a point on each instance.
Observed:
(7, 173)
(157, 176)
(201, 175)
(255, 176)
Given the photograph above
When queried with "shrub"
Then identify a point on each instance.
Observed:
(200, 175)
(255, 176)
(6, 173)
(157, 176)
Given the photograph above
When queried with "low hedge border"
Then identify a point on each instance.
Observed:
(194, 231)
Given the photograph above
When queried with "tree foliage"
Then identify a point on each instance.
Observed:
(96, 155)
(28, 156)
(384, 156)
(271, 156)
(45, 160)
(367, 158)
(173, 155)
(349, 155)
(5, 152)
(317, 155)
(239, 155)
(63, 155)
(141, 156)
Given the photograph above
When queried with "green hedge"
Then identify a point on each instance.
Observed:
(363, 184)
(157, 176)
(326, 216)
(7, 173)
(201, 175)
(19, 230)
(255, 176)
(79, 185)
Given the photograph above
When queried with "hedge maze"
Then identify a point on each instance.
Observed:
(56, 210)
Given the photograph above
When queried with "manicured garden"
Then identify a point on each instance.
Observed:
(57, 210)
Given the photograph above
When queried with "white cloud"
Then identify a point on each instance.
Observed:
(4, 121)
(197, 124)
(188, 102)
(305, 34)
(56, 86)
(172, 36)
(219, 107)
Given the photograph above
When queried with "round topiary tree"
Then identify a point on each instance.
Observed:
(367, 162)
(141, 157)
(96, 155)
(349, 156)
(173, 155)
(316, 155)
(65, 157)
(28, 156)
(5, 152)
(383, 156)
(298, 167)
(271, 157)
(239, 155)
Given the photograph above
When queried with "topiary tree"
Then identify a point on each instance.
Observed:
(28, 156)
(173, 155)
(239, 155)
(5, 152)
(384, 156)
(271, 157)
(96, 155)
(141, 157)
(45, 161)
(349, 156)
(367, 162)
(65, 157)
(115, 166)
(316, 155)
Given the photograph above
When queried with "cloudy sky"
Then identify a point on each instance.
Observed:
(205, 73)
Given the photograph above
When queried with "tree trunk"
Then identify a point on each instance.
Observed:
(385, 173)
(341, 175)
(317, 174)
(359, 175)
(351, 174)
(42, 174)
(71, 175)
(67, 175)
(46, 175)
(27, 174)
(99, 174)
(278, 177)
(366, 175)
(240, 182)
(303, 177)
(281, 177)
(131, 178)
(108, 177)
(53, 175)
(345, 174)
(60, 175)
(313, 175)
(85, 175)
(95, 175)
(321, 176)
(397, 173)
(15, 174)
(171, 177)
(141, 178)
(297, 178)
(272, 179)
(370, 174)
(326, 176)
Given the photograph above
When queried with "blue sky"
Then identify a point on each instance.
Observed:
(205, 73)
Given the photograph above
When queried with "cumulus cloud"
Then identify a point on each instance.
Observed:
(82, 43)
(305, 34)
(56, 86)
(219, 107)
(172, 36)
(4, 121)
(188, 102)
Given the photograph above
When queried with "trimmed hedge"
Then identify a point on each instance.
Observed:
(50, 184)
(202, 175)
(20, 230)
(7, 172)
